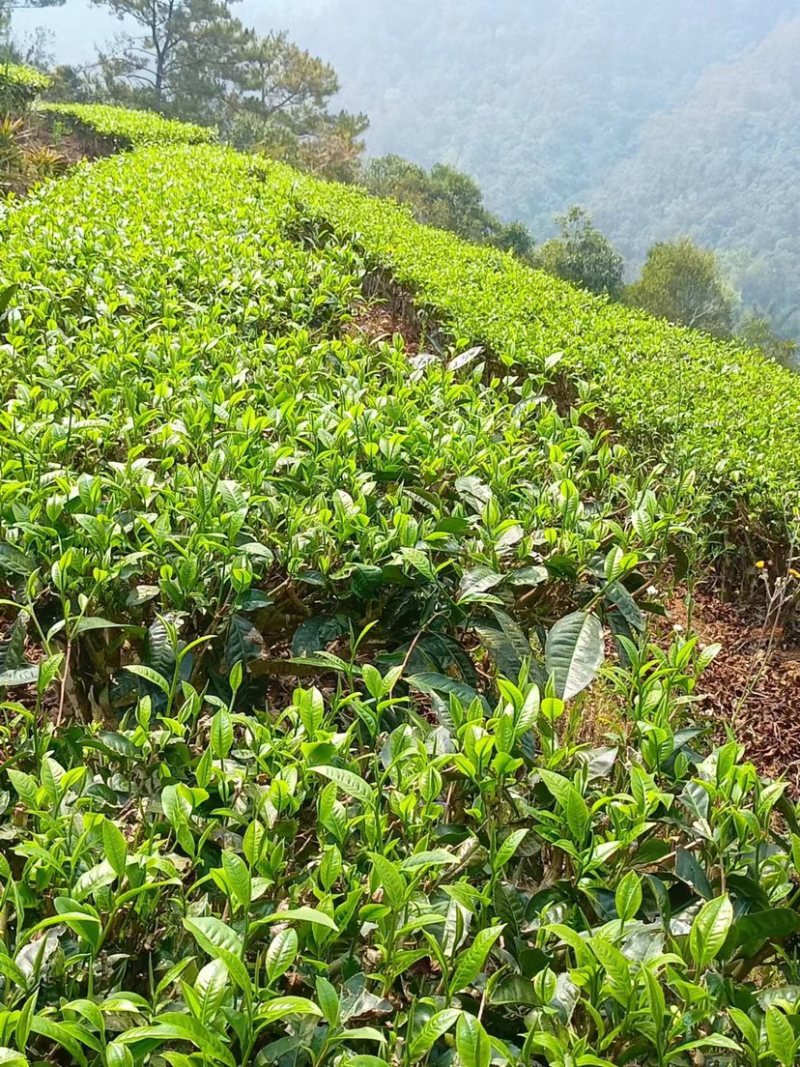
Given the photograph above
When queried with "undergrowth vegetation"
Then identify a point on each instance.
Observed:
(339, 722)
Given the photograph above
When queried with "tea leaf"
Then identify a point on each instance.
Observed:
(710, 929)
(574, 652)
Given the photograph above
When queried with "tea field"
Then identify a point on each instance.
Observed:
(341, 722)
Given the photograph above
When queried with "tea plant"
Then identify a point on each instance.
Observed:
(126, 127)
(676, 396)
(347, 881)
(20, 85)
(302, 632)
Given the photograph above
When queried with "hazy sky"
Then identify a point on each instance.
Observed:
(79, 26)
(76, 27)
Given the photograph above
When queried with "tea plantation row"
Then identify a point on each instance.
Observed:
(675, 395)
(217, 476)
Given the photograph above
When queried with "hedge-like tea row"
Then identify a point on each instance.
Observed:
(20, 84)
(186, 336)
(676, 394)
(215, 475)
(126, 127)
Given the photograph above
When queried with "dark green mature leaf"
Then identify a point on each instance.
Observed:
(61, 1034)
(689, 870)
(317, 633)
(12, 647)
(574, 652)
(476, 582)
(14, 562)
(621, 599)
(7, 294)
(430, 682)
(243, 642)
(20, 676)
(474, 491)
(773, 925)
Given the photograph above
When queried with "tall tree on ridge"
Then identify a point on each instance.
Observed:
(177, 45)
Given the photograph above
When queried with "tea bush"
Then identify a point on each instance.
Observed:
(346, 881)
(219, 478)
(125, 127)
(190, 426)
(19, 85)
(676, 395)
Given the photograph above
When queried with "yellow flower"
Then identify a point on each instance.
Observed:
(761, 564)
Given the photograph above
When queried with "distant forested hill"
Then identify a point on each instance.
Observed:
(539, 100)
(663, 118)
(724, 166)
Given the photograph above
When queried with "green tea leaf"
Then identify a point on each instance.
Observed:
(348, 782)
(472, 1042)
(710, 929)
(434, 1028)
(280, 1007)
(781, 1037)
(628, 896)
(470, 963)
(574, 652)
(115, 846)
(281, 953)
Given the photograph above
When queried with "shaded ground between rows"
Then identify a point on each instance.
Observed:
(753, 685)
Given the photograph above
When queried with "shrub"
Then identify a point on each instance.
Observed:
(126, 127)
(19, 85)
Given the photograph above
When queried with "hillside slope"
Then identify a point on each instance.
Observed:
(335, 729)
(698, 404)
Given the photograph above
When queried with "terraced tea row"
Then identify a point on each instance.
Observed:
(189, 418)
(125, 127)
(676, 395)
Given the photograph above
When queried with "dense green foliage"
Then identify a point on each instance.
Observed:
(199, 461)
(258, 440)
(582, 255)
(681, 396)
(682, 283)
(664, 120)
(126, 127)
(215, 479)
(19, 85)
(445, 198)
